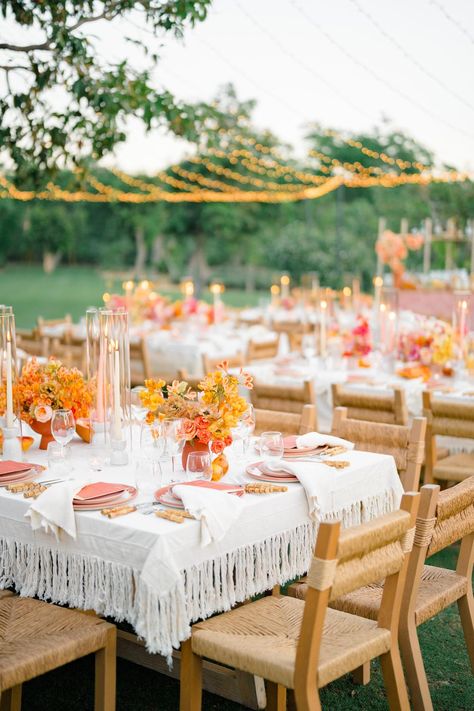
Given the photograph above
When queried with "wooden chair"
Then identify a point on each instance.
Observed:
(284, 422)
(295, 340)
(405, 444)
(443, 519)
(235, 361)
(304, 645)
(446, 416)
(140, 369)
(389, 408)
(30, 341)
(283, 398)
(38, 637)
(263, 350)
(71, 350)
(192, 381)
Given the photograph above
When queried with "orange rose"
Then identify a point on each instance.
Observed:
(188, 430)
(218, 446)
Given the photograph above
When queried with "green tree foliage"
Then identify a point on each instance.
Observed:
(64, 104)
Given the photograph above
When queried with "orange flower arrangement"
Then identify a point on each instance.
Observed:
(208, 416)
(43, 388)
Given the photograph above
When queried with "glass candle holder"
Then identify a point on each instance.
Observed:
(9, 408)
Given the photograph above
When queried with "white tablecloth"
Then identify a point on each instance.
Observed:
(155, 574)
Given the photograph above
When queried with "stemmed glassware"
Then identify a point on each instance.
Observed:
(63, 427)
(271, 448)
(246, 427)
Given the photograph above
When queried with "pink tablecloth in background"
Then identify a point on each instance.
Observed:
(433, 303)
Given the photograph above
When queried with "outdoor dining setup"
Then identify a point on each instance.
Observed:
(233, 490)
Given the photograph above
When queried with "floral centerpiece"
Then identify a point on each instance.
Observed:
(43, 388)
(392, 249)
(207, 415)
(359, 342)
(428, 342)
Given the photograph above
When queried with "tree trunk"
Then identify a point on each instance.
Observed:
(142, 251)
(198, 266)
(158, 250)
(51, 261)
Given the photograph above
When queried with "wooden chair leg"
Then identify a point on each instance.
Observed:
(276, 696)
(191, 679)
(10, 699)
(105, 673)
(466, 613)
(362, 674)
(394, 680)
(414, 668)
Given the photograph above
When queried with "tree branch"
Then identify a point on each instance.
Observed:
(25, 48)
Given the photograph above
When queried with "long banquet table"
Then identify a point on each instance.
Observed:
(155, 574)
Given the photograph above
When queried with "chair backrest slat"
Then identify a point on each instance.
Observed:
(389, 408)
(287, 423)
(405, 444)
(454, 515)
(263, 350)
(211, 363)
(282, 397)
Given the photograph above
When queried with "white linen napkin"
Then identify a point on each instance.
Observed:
(216, 510)
(318, 482)
(316, 439)
(53, 510)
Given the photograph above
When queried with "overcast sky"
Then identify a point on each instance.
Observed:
(314, 60)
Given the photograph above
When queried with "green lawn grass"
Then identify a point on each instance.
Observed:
(72, 290)
(139, 689)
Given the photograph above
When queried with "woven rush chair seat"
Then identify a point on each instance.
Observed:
(264, 641)
(37, 637)
(454, 467)
(284, 422)
(439, 587)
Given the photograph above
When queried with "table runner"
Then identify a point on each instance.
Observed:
(156, 575)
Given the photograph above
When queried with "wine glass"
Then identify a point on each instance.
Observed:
(152, 442)
(173, 439)
(63, 427)
(246, 427)
(308, 346)
(271, 448)
(198, 466)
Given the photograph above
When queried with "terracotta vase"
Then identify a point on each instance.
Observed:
(43, 429)
(192, 447)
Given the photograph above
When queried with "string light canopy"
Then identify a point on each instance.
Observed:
(150, 192)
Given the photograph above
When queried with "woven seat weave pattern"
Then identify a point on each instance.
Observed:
(439, 588)
(36, 637)
(262, 639)
(455, 467)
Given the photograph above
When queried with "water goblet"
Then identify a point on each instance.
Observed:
(63, 427)
(198, 466)
(271, 448)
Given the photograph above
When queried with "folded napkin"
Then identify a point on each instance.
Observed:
(317, 480)
(315, 439)
(216, 510)
(53, 510)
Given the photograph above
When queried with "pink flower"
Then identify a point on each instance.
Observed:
(43, 413)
